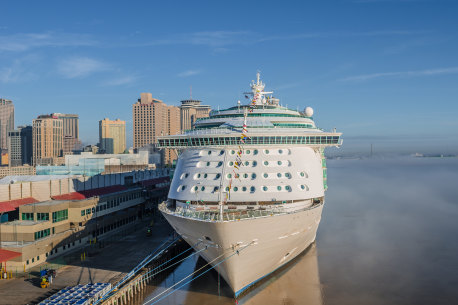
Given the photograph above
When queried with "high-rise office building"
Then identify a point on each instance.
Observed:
(71, 132)
(153, 118)
(47, 140)
(112, 136)
(6, 122)
(20, 146)
(190, 111)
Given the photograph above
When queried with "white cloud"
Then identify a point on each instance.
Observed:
(76, 67)
(428, 72)
(19, 70)
(189, 73)
(123, 80)
(25, 41)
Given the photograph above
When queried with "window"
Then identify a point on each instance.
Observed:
(198, 176)
(83, 212)
(287, 175)
(279, 188)
(236, 189)
(209, 152)
(255, 163)
(266, 151)
(232, 152)
(217, 176)
(41, 234)
(287, 187)
(255, 152)
(279, 175)
(227, 189)
(280, 151)
(202, 188)
(229, 176)
(196, 188)
(266, 175)
(245, 175)
(42, 216)
(205, 175)
(252, 189)
(279, 162)
(302, 174)
(27, 216)
(264, 188)
(244, 188)
(247, 163)
(183, 187)
(266, 162)
(248, 152)
(60, 215)
(303, 187)
(231, 163)
(208, 163)
(53, 230)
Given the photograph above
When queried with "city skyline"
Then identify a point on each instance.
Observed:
(380, 71)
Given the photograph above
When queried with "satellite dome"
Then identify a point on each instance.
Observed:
(309, 111)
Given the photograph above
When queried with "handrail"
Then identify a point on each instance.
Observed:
(213, 215)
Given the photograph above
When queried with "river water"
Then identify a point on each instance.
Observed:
(388, 235)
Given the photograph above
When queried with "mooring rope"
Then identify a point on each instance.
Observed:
(175, 263)
(171, 292)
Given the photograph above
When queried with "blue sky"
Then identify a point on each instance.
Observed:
(375, 69)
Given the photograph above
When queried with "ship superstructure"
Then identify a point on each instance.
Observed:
(248, 188)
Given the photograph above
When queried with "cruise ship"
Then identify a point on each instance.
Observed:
(248, 188)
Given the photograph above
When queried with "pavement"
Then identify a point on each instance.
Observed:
(110, 264)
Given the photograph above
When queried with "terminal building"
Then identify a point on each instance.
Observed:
(43, 217)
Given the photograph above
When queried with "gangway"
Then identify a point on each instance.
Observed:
(137, 268)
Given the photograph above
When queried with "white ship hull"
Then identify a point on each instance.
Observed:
(264, 243)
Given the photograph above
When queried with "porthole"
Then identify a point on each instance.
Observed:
(303, 187)
(217, 176)
(232, 152)
(229, 176)
(252, 189)
(266, 151)
(245, 175)
(183, 187)
(287, 187)
(266, 162)
(265, 175)
(247, 163)
(202, 188)
(196, 188)
(287, 175)
(280, 151)
(186, 175)
(255, 152)
(231, 163)
(220, 163)
(244, 188)
(205, 175)
(253, 176)
(236, 189)
(279, 175)
(227, 189)
(247, 151)
(255, 163)
(302, 174)
(208, 163)
(264, 188)
(236, 176)
(279, 162)
(198, 176)
(209, 152)
(221, 152)
(279, 188)
(215, 189)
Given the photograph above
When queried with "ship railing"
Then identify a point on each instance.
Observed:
(214, 215)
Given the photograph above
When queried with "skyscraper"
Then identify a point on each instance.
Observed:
(47, 140)
(6, 122)
(71, 132)
(190, 111)
(20, 146)
(153, 118)
(112, 136)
